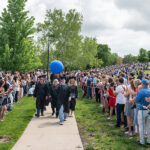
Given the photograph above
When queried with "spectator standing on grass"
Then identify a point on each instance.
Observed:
(94, 83)
(120, 103)
(143, 120)
(112, 99)
(130, 92)
(16, 86)
(2, 93)
(89, 89)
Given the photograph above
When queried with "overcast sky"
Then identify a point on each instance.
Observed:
(122, 24)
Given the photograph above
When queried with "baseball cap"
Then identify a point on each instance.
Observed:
(145, 81)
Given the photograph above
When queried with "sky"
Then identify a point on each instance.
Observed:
(122, 24)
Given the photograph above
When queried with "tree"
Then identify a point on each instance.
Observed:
(113, 58)
(104, 53)
(148, 53)
(88, 56)
(18, 52)
(66, 29)
(119, 61)
(128, 59)
(143, 57)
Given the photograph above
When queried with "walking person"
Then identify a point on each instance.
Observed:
(61, 101)
(54, 94)
(73, 95)
(40, 94)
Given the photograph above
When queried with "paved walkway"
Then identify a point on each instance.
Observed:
(45, 133)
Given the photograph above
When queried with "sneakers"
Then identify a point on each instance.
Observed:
(101, 105)
(130, 134)
(109, 118)
(61, 123)
(127, 133)
(140, 143)
(37, 115)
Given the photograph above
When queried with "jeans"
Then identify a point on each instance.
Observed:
(89, 92)
(38, 111)
(144, 125)
(61, 114)
(120, 108)
(65, 116)
(16, 96)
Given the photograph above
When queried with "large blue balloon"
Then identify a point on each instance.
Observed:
(56, 67)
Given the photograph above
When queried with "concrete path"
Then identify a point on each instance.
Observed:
(45, 133)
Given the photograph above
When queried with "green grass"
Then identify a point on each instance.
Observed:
(16, 121)
(147, 71)
(97, 132)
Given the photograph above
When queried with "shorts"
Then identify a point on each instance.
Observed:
(5, 101)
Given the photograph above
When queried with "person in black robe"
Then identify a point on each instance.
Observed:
(62, 101)
(73, 95)
(54, 94)
(40, 94)
(48, 90)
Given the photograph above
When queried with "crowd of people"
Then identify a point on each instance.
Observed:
(60, 91)
(120, 90)
(13, 86)
(124, 91)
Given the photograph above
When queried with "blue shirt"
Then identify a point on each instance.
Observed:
(95, 80)
(89, 80)
(140, 98)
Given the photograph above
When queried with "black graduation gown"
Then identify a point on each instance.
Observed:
(62, 98)
(73, 93)
(66, 100)
(54, 94)
(47, 88)
(39, 93)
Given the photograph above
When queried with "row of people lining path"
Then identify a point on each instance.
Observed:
(124, 89)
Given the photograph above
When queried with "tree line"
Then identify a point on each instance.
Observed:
(21, 52)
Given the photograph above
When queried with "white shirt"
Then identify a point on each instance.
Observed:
(125, 82)
(85, 79)
(120, 99)
(31, 91)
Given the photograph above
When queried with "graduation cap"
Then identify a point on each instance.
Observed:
(42, 76)
(72, 77)
(63, 78)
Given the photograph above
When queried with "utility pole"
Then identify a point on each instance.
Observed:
(48, 54)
